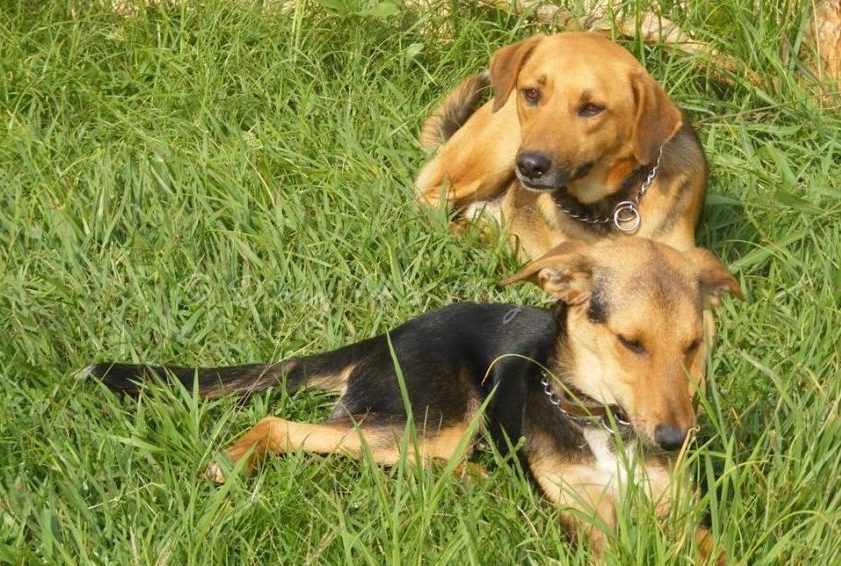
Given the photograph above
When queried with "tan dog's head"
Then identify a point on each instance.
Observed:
(634, 333)
(589, 112)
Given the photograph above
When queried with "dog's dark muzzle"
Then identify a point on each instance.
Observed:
(536, 172)
(670, 437)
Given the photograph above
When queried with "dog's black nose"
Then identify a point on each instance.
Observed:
(532, 165)
(669, 437)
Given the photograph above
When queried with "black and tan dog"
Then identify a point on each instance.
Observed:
(622, 351)
(578, 142)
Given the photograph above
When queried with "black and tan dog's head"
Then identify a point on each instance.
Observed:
(589, 112)
(634, 333)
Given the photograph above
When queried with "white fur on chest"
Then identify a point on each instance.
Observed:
(610, 468)
(615, 465)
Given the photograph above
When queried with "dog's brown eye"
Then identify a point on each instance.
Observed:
(590, 109)
(532, 95)
(633, 345)
(693, 346)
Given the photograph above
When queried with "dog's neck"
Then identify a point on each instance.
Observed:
(598, 215)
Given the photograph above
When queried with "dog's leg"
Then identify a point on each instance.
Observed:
(273, 435)
(477, 163)
(588, 499)
(581, 489)
(706, 546)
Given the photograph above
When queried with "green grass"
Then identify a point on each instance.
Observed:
(222, 182)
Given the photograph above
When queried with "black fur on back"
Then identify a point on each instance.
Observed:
(448, 359)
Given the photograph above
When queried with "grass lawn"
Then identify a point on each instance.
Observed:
(222, 182)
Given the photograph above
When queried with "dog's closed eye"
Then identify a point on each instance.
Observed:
(590, 109)
(693, 346)
(632, 344)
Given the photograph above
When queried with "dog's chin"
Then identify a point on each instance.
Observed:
(650, 446)
(554, 180)
(539, 186)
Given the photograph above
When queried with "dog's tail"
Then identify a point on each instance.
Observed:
(452, 112)
(326, 371)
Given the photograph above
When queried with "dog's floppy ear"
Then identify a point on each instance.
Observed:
(565, 272)
(713, 277)
(505, 66)
(657, 118)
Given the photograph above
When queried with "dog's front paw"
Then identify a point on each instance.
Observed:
(471, 471)
(707, 549)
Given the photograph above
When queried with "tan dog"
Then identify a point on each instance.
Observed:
(599, 388)
(579, 142)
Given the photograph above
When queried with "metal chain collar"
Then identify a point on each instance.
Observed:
(587, 420)
(626, 215)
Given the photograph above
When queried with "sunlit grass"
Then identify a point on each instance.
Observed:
(224, 182)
